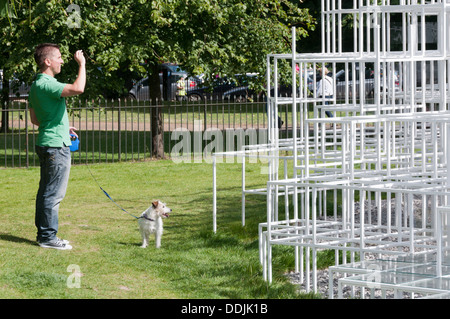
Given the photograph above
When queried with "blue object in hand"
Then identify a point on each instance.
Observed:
(75, 143)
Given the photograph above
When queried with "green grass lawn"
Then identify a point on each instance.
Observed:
(193, 262)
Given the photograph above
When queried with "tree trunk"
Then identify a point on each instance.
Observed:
(156, 113)
(5, 105)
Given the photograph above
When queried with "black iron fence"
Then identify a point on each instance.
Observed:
(111, 131)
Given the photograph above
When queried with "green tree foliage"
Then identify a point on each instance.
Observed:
(205, 36)
(48, 21)
(123, 38)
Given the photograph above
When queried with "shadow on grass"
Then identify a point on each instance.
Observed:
(129, 244)
(15, 239)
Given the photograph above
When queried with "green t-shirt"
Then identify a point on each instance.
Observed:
(50, 109)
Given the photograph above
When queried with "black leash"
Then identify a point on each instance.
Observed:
(107, 195)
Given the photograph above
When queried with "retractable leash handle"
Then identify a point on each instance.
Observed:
(75, 143)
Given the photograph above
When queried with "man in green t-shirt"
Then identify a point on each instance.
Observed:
(48, 112)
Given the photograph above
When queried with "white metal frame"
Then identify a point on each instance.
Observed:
(391, 145)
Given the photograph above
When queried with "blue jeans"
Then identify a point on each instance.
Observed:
(55, 169)
(328, 113)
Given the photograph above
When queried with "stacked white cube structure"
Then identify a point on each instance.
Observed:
(387, 143)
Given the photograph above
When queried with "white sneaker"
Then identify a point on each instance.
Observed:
(64, 241)
(56, 244)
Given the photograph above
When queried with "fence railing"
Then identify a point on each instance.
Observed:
(120, 130)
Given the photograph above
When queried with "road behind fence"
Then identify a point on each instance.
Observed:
(111, 131)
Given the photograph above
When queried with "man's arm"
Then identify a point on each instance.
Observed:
(33, 117)
(78, 86)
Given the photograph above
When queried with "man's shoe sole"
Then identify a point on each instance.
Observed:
(63, 247)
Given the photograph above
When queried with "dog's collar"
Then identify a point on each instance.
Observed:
(147, 218)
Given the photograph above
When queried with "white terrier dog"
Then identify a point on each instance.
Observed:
(151, 221)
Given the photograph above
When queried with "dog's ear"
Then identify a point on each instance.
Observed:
(155, 204)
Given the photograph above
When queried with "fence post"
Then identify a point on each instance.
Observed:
(205, 126)
(119, 134)
(26, 135)
(157, 129)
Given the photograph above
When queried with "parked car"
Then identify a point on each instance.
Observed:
(211, 90)
(243, 90)
(242, 94)
(395, 79)
(17, 90)
(168, 77)
(343, 87)
(238, 89)
(246, 93)
(222, 88)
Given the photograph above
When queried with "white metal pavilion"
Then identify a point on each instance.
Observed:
(381, 160)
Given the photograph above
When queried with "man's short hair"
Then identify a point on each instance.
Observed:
(42, 52)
